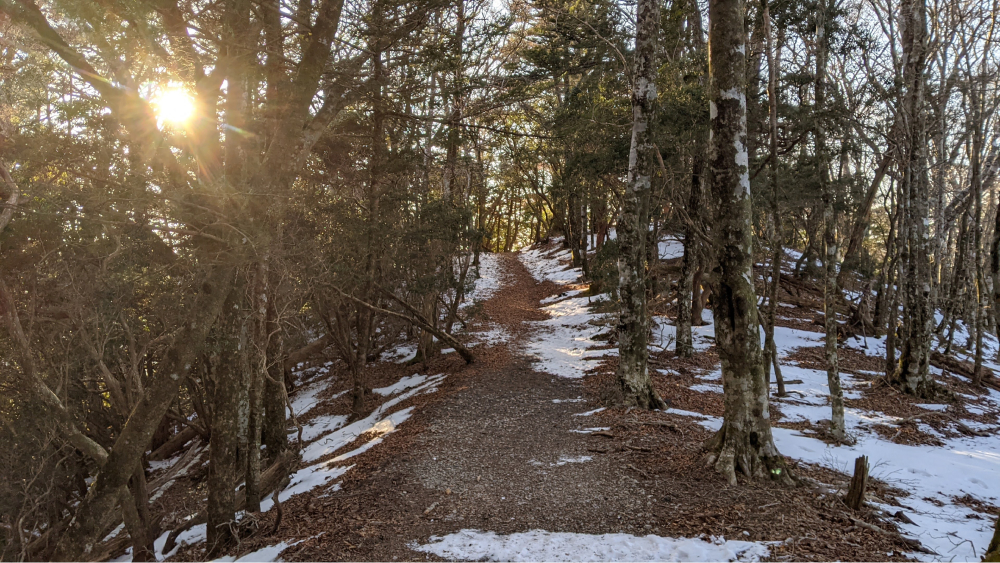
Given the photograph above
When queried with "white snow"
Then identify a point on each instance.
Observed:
(539, 545)
(591, 430)
(670, 248)
(401, 385)
(264, 554)
(337, 439)
(588, 413)
(492, 335)
(550, 264)
(307, 397)
(561, 343)
(962, 466)
(492, 277)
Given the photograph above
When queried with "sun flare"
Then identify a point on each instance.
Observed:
(174, 105)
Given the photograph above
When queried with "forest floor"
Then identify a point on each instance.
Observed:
(514, 457)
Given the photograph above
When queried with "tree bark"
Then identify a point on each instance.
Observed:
(744, 442)
(774, 227)
(274, 433)
(634, 383)
(831, 293)
(228, 387)
(913, 374)
(685, 295)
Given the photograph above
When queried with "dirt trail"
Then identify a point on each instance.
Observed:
(497, 453)
(492, 450)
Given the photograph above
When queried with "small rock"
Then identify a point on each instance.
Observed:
(447, 491)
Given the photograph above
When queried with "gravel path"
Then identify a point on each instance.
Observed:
(499, 454)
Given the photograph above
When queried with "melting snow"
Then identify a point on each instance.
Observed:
(539, 545)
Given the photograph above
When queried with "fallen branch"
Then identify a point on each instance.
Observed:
(637, 470)
(417, 319)
(173, 445)
(911, 543)
(425, 324)
(955, 365)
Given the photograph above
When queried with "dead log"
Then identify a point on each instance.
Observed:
(302, 354)
(190, 456)
(859, 482)
(173, 445)
(954, 365)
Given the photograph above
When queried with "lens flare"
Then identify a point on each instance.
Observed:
(174, 105)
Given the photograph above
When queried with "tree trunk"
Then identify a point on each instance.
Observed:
(224, 445)
(138, 522)
(274, 432)
(831, 293)
(993, 550)
(913, 375)
(977, 92)
(685, 295)
(744, 442)
(634, 383)
(774, 227)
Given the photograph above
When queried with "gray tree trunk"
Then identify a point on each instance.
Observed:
(744, 442)
(685, 295)
(227, 390)
(913, 374)
(831, 293)
(633, 325)
(774, 228)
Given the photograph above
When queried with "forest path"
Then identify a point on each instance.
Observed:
(499, 453)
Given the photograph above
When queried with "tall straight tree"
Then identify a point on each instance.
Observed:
(744, 442)
(831, 293)
(633, 325)
(913, 373)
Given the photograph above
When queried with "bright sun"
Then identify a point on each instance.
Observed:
(173, 105)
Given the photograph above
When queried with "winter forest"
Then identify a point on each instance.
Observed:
(499, 280)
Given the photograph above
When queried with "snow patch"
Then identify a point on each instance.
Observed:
(540, 545)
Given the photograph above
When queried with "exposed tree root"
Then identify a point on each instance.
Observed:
(731, 450)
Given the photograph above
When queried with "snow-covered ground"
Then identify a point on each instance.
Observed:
(935, 476)
(492, 277)
(548, 264)
(539, 545)
(561, 344)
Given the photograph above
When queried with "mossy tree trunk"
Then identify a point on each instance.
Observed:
(634, 383)
(744, 442)
(913, 373)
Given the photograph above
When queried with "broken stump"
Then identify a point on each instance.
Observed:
(859, 482)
